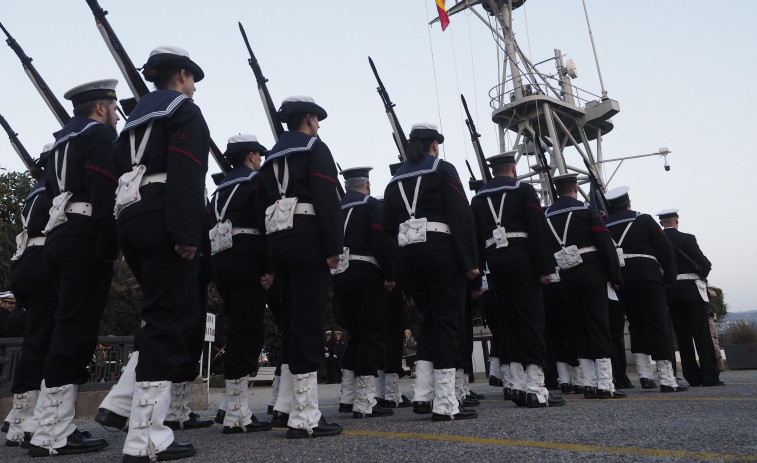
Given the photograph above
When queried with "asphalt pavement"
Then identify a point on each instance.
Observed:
(701, 424)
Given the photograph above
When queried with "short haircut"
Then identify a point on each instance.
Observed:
(564, 188)
(668, 221)
(616, 206)
(85, 109)
(294, 121)
(502, 169)
(355, 183)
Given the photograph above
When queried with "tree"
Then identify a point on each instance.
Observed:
(718, 304)
(14, 188)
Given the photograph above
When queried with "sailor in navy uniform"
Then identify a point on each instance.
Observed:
(305, 236)
(647, 266)
(426, 211)
(240, 259)
(80, 247)
(512, 235)
(588, 262)
(34, 289)
(688, 303)
(364, 275)
(162, 157)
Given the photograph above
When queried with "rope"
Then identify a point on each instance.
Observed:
(436, 86)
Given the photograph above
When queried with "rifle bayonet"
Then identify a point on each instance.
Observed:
(399, 136)
(474, 137)
(26, 158)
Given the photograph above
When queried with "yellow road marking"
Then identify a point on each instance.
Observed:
(639, 451)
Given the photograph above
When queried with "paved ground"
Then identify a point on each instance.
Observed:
(703, 424)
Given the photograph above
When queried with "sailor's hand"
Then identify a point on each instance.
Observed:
(476, 293)
(333, 261)
(185, 251)
(389, 285)
(266, 281)
(545, 279)
(472, 273)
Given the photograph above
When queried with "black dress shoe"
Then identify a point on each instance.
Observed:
(254, 426)
(494, 381)
(322, 430)
(405, 402)
(175, 451)
(664, 388)
(220, 415)
(280, 419)
(376, 412)
(623, 383)
(647, 383)
(590, 392)
(507, 393)
(532, 401)
(566, 388)
(109, 419)
(12, 443)
(422, 407)
(604, 394)
(578, 389)
(469, 401)
(345, 408)
(270, 410)
(27, 443)
(75, 443)
(476, 395)
(518, 397)
(194, 422)
(462, 414)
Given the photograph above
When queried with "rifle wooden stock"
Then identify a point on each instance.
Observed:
(52, 102)
(399, 136)
(130, 72)
(26, 158)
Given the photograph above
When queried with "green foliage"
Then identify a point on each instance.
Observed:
(741, 332)
(14, 187)
(717, 303)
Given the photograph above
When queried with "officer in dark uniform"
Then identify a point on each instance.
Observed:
(688, 303)
(33, 288)
(647, 265)
(162, 156)
(512, 235)
(364, 275)
(426, 211)
(80, 247)
(240, 261)
(305, 236)
(588, 262)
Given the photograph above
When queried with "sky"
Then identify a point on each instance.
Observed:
(678, 69)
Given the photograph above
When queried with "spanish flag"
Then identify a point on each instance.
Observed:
(443, 18)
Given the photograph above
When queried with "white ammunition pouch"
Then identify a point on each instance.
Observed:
(611, 294)
(58, 211)
(221, 235)
(568, 256)
(412, 230)
(499, 234)
(701, 284)
(280, 215)
(344, 257)
(127, 192)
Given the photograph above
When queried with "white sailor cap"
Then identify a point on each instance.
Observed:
(301, 104)
(243, 143)
(7, 296)
(617, 195)
(667, 214)
(508, 157)
(171, 56)
(355, 172)
(95, 90)
(424, 131)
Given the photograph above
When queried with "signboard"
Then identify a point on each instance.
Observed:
(210, 328)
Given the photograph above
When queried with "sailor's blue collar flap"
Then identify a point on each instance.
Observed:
(155, 105)
(498, 185)
(565, 204)
(427, 165)
(354, 198)
(237, 176)
(290, 143)
(76, 126)
(623, 217)
(38, 188)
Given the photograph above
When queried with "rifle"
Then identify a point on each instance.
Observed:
(399, 136)
(597, 187)
(132, 76)
(486, 175)
(26, 158)
(270, 108)
(52, 102)
(543, 160)
(473, 183)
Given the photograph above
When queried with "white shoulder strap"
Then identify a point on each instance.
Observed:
(61, 176)
(285, 182)
(220, 216)
(25, 219)
(346, 221)
(623, 236)
(136, 154)
(565, 233)
(497, 217)
(411, 210)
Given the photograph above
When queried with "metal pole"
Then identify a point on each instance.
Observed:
(596, 60)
